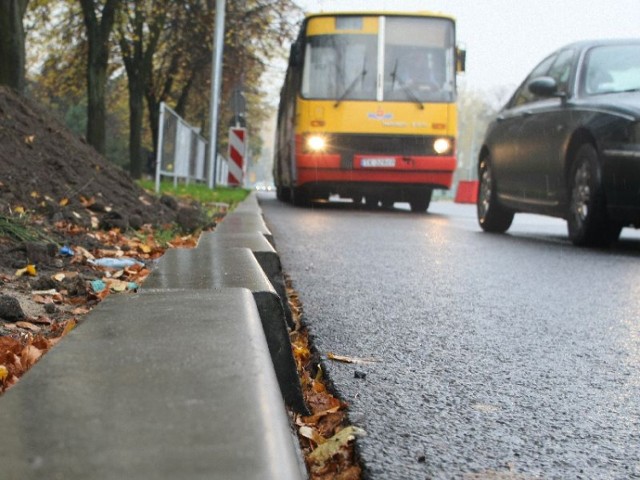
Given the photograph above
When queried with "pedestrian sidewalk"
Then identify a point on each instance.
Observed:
(177, 381)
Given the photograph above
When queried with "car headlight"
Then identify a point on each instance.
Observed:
(442, 145)
(316, 143)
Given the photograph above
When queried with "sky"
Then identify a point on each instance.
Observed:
(505, 39)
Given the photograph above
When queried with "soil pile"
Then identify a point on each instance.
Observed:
(47, 170)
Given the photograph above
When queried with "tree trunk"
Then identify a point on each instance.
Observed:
(136, 113)
(98, 33)
(12, 50)
(96, 108)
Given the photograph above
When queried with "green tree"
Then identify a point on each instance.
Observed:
(12, 43)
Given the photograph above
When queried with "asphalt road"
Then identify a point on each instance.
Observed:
(498, 356)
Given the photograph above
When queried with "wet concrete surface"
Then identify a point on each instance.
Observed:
(499, 356)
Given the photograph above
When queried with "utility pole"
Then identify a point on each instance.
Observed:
(216, 80)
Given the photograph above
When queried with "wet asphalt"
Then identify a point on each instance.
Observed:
(496, 356)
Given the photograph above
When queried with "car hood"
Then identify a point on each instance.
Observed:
(627, 103)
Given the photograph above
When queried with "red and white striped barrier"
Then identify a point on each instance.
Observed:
(237, 151)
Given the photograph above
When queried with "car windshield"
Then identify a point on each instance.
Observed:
(612, 69)
(416, 63)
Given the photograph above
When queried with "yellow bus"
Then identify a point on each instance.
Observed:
(367, 110)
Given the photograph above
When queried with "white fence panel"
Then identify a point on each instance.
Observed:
(181, 150)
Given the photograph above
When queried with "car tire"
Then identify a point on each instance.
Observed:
(587, 220)
(492, 216)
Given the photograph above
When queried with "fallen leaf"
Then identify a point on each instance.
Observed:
(42, 320)
(333, 446)
(30, 355)
(87, 202)
(28, 270)
(29, 139)
(35, 194)
(28, 326)
(346, 359)
(85, 253)
(63, 202)
(40, 299)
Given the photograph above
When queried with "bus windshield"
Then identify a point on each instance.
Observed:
(409, 59)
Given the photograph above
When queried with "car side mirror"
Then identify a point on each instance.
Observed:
(543, 87)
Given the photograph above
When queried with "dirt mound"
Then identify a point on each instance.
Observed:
(46, 168)
(55, 176)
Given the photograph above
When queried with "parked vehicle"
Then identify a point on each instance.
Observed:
(567, 144)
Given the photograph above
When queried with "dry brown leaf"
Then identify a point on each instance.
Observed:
(87, 202)
(29, 326)
(42, 320)
(85, 253)
(30, 355)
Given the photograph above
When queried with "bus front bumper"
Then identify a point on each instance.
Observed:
(434, 171)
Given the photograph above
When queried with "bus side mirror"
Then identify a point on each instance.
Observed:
(295, 55)
(461, 60)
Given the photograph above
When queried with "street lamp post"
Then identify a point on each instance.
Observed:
(216, 79)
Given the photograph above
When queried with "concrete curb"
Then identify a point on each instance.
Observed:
(210, 266)
(167, 383)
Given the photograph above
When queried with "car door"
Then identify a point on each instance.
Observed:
(543, 131)
(509, 144)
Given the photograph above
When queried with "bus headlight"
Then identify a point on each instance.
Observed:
(316, 143)
(442, 145)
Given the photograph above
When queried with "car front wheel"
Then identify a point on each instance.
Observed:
(587, 220)
(492, 216)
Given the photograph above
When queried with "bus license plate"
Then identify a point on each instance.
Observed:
(377, 162)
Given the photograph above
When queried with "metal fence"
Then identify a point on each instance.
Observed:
(181, 151)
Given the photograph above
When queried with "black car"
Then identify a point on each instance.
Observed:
(567, 144)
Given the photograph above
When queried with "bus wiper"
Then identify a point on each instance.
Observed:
(353, 84)
(410, 92)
